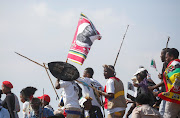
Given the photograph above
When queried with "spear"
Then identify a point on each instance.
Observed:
(167, 43)
(31, 60)
(120, 46)
(43, 67)
(51, 81)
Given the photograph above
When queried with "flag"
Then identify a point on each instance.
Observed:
(130, 86)
(84, 37)
(153, 64)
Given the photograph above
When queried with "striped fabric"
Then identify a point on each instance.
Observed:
(172, 82)
(84, 37)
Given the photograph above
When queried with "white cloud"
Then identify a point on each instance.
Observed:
(40, 9)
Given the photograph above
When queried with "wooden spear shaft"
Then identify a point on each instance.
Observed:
(51, 81)
(32, 60)
(121, 46)
(167, 43)
(43, 67)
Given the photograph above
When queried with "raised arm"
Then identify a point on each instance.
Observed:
(57, 85)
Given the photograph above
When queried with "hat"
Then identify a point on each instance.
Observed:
(7, 84)
(46, 98)
(139, 70)
(109, 67)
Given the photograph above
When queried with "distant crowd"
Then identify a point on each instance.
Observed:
(87, 98)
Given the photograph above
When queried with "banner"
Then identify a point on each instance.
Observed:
(84, 37)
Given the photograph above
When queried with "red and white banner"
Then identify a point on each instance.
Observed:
(84, 37)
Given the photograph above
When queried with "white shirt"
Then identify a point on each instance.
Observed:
(89, 90)
(110, 89)
(71, 91)
(27, 110)
(4, 113)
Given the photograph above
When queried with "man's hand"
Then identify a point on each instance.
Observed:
(160, 76)
(129, 101)
(135, 84)
(156, 93)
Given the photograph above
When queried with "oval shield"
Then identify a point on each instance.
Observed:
(63, 71)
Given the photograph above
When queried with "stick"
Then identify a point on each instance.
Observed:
(31, 60)
(120, 46)
(51, 81)
(43, 67)
(167, 43)
(42, 105)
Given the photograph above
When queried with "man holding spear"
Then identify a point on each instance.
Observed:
(115, 102)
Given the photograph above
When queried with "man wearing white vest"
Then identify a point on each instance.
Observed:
(115, 102)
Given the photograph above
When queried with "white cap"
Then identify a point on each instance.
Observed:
(139, 70)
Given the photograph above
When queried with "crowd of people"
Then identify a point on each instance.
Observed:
(89, 99)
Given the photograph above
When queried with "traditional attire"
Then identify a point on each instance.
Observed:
(115, 106)
(171, 79)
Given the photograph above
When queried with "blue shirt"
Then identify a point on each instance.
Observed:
(46, 113)
(4, 113)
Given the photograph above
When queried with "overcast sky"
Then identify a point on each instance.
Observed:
(44, 30)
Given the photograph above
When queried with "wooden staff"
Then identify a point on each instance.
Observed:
(167, 43)
(51, 81)
(43, 67)
(32, 60)
(120, 46)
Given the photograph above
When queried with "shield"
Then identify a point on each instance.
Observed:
(63, 71)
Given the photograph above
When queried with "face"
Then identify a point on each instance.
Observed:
(46, 103)
(106, 74)
(139, 78)
(22, 98)
(35, 105)
(162, 56)
(5, 89)
(85, 73)
(88, 31)
(169, 58)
